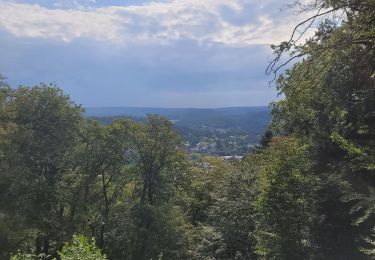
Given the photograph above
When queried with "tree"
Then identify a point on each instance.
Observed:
(156, 150)
(98, 174)
(329, 103)
(81, 248)
(45, 125)
(285, 205)
(160, 161)
(349, 21)
(233, 213)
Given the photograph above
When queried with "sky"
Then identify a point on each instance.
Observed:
(141, 53)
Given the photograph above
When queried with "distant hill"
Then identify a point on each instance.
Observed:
(143, 111)
(195, 125)
(228, 117)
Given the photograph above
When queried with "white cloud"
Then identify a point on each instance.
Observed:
(161, 22)
(34, 21)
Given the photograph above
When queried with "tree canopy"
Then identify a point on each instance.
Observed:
(73, 188)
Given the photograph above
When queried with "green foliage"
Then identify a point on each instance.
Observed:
(233, 213)
(21, 256)
(81, 248)
(307, 193)
(41, 126)
(346, 145)
(369, 247)
(329, 104)
(285, 204)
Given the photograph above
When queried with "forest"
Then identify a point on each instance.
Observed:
(73, 188)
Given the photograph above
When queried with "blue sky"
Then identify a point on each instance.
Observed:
(160, 53)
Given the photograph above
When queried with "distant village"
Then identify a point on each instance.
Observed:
(231, 147)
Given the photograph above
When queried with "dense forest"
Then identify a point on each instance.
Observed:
(72, 188)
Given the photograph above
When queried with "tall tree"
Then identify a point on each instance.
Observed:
(160, 159)
(285, 205)
(46, 124)
(98, 174)
(329, 104)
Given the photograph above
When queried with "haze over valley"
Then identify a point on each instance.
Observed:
(232, 131)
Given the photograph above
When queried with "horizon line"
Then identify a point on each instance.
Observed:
(161, 107)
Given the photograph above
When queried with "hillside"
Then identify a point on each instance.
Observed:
(217, 131)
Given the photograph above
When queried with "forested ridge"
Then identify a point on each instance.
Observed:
(72, 188)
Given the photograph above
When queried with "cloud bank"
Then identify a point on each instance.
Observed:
(167, 53)
(230, 22)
